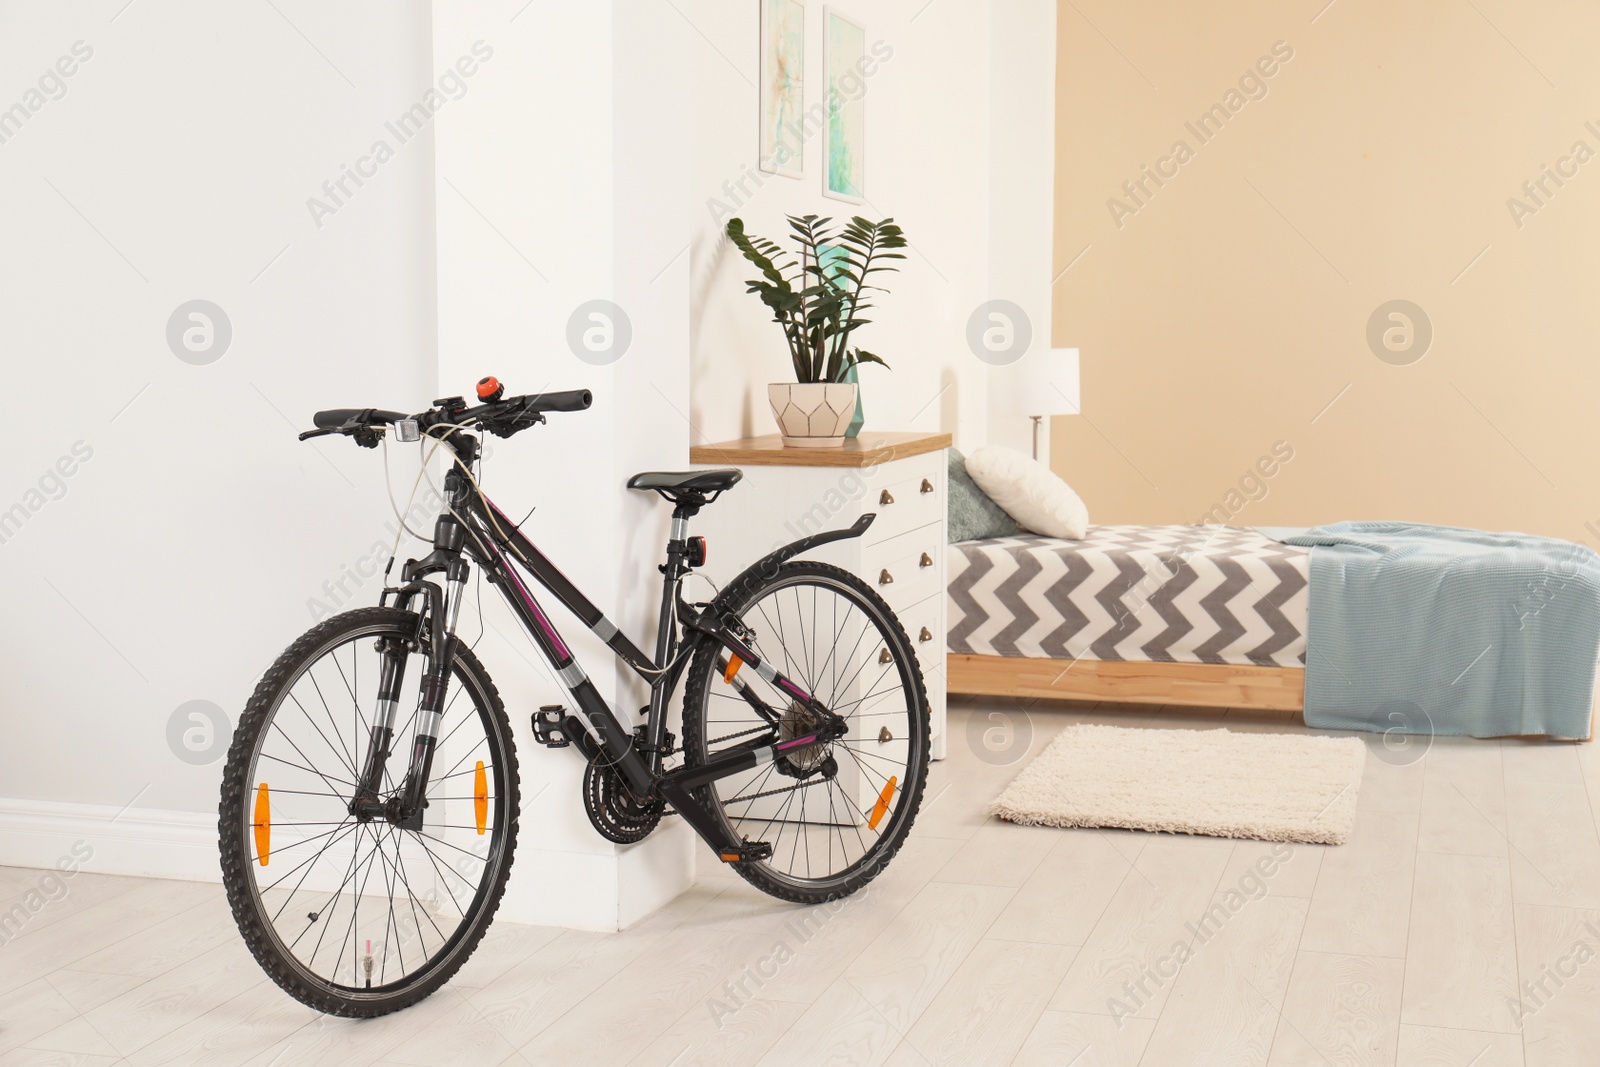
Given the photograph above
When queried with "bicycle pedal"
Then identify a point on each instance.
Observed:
(549, 726)
(748, 852)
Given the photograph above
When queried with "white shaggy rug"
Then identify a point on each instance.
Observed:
(1273, 787)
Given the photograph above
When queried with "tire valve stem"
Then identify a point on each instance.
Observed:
(366, 963)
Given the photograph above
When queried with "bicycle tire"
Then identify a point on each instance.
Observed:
(703, 673)
(234, 820)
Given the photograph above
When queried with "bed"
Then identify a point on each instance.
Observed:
(1208, 616)
(1198, 616)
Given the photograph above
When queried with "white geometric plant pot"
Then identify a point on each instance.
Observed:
(813, 414)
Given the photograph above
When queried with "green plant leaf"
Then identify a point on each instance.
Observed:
(817, 299)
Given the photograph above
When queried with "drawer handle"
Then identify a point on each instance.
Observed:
(925, 635)
(885, 736)
(927, 486)
(885, 499)
(925, 561)
(885, 657)
(885, 578)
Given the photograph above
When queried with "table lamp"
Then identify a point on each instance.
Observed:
(1041, 383)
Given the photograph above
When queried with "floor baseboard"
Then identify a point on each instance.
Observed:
(145, 842)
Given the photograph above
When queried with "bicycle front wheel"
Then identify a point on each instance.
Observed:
(834, 813)
(353, 916)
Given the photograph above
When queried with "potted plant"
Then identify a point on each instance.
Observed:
(818, 301)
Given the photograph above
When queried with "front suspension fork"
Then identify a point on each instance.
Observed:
(405, 807)
(367, 800)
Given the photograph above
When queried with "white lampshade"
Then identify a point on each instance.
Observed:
(1043, 382)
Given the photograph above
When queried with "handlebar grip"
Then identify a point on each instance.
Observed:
(567, 400)
(335, 418)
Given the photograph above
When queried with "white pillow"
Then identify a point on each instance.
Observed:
(1029, 492)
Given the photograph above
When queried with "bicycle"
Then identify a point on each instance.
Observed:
(362, 884)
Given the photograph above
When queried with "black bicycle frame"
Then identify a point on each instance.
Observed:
(472, 525)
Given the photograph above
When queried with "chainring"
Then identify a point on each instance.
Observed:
(613, 809)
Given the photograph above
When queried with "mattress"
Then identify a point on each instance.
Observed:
(1167, 594)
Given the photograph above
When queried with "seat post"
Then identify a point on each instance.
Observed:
(667, 625)
(686, 505)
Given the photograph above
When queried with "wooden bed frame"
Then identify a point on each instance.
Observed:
(1199, 685)
(1202, 685)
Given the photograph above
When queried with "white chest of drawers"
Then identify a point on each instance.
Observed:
(789, 493)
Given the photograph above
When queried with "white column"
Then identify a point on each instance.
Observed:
(1022, 147)
(555, 189)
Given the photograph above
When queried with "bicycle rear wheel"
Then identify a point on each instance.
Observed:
(835, 813)
(353, 917)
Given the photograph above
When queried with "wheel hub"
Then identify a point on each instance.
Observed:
(798, 721)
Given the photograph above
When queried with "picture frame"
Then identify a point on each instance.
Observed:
(782, 88)
(844, 51)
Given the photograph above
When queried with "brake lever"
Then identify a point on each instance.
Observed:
(511, 424)
(366, 436)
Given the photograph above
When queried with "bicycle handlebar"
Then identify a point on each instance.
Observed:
(502, 417)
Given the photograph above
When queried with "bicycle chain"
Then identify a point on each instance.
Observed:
(775, 792)
(770, 792)
(741, 733)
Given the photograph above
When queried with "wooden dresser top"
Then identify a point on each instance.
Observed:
(867, 450)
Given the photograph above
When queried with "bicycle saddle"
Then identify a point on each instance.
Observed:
(672, 484)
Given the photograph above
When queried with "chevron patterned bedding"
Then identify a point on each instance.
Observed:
(1172, 594)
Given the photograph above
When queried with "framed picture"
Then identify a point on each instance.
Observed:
(783, 64)
(844, 50)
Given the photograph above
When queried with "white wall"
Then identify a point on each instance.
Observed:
(978, 230)
(542, 209)
(182, 555)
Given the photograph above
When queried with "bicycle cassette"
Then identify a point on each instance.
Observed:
(613, 808)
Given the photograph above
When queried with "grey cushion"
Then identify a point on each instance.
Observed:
(972, 513)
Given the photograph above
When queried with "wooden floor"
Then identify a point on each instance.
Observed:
(1460, 926)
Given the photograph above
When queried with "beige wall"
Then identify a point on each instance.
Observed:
(1227, 310)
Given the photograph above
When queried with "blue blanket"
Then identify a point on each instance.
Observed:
(1433, 629)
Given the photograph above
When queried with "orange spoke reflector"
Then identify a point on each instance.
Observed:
(263, 825)
(882, 806)
(480, 797)
(734, 663)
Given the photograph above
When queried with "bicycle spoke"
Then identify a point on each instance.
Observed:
(405, 880)
(833, 649)
(389, 923)
(358, 721)
(303, 756)
(416, 922)
(349, 757)
(458, 774)
(462, 760)
(355, 916)
(354, 852)
(434, 859)
(303, 863)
